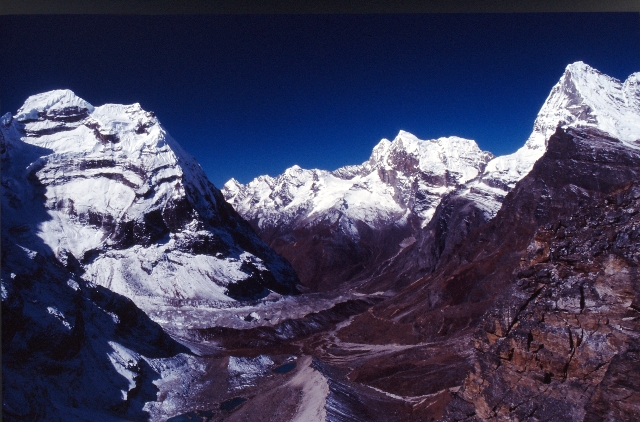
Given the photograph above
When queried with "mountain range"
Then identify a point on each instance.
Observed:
(432, 282)
(337, 227)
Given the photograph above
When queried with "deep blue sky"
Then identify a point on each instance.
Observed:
(251, 95)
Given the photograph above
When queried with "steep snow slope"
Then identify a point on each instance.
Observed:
(582, 98)
(127, 208)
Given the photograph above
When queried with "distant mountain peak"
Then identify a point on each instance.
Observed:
(583, 97)
(406, 179)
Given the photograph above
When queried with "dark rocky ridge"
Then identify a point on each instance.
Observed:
(579, 170)
(563, 342)
(325, 258)
(455, 217)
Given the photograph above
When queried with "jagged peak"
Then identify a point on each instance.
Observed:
(294, 170)
(231, 188)
(403, 134)
(379, 150)
(233, 182)
(581, 71)
(404, 139)
(580, 78)
(584, 95)
(51, 101)
(579, 67)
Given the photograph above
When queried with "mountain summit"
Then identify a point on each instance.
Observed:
(336, 217)
(120, 202)
(582, 98)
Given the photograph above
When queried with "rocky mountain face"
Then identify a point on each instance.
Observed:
(527, 291)
(562, 342)
(387, 222)
(126, 208)
(73, 351)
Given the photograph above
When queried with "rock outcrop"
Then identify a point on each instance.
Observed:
(558, 256)
(562, 342)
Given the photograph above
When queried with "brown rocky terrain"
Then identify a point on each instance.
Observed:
(532, 315)
(563, 342)
(554, 232)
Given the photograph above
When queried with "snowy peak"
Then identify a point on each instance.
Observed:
(232, 187)
(406, 179)
(582, 98)
(335, 226)
(380, 151)
(109, 129)
(406, 176)
(411, 175)
(59, 104)
(585, 97)
(122, 203)
(455, 156)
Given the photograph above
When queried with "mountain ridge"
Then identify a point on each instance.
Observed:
(398, 190)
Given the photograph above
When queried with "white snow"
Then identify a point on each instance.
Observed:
(49, 102)
(103, 166)
(378, 192)
(59, 315)
(314, 390)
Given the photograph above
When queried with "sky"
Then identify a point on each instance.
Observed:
(255, 94)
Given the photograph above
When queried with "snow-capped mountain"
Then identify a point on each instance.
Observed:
(400, 187)
(582, 98)
(405, 177)
(114, 198)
